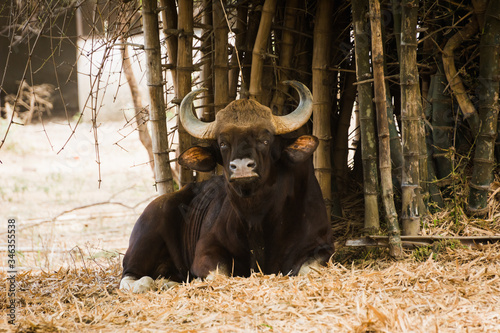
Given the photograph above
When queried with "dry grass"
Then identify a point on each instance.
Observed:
(72, 264)
(457, 292)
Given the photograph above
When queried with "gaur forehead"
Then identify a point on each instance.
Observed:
(232, 132)
(245, 116)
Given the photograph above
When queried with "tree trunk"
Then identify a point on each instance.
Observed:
(260, 49)
(484, 158)
(366, 115)
(184, 70)
(285, 59)
(141, 113)
(395, 248)
(410, 118)
(157, 117)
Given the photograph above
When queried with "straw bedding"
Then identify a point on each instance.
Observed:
(454, 290)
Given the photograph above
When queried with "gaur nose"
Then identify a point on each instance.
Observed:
(242, 168)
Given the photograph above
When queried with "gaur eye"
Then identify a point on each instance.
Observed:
(266, 142)
(223, 145)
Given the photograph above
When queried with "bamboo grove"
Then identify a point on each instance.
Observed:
(419, 78)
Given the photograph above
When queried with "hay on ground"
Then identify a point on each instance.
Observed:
(457, 290)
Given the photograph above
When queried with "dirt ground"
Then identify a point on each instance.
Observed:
(55, 195)
(71, 233)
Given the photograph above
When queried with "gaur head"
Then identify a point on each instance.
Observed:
(246, 140)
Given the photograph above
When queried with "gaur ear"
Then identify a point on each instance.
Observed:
(198, 158)
(302, 148)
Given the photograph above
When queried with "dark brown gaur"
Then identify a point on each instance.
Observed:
(266, 213)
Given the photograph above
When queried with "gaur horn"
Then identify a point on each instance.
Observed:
(191, 123)
(282, 124)
(300, 116)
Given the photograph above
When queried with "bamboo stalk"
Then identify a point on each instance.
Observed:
(395, 248)
(321, 100)
(366, 116)
(435, 193)
(252, 29)
(260, 49)
(484, 159)
(221, 68)
(206, 75)
(395, 139)
(422, 154)
(454, 80)
(184, 71)
(238, 57)
(157, 117)
(169, 19)
(285, 59)
(396, 16)
(442, 124)
(207, 111)
(410, 97)
(395, 142)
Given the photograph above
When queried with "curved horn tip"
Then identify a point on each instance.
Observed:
(195, 92)
(192, 124)
(299, 86)
(294, 83)
(298, 117)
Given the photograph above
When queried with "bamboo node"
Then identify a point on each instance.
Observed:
(161, 84)
(163, 180)
(168, 66)
(479, 187)
(410, 118)
(185, 34)
(325, 170)
(158, 119)
(163, 152)
(406, 185)
(368, 192)
(483, 160)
